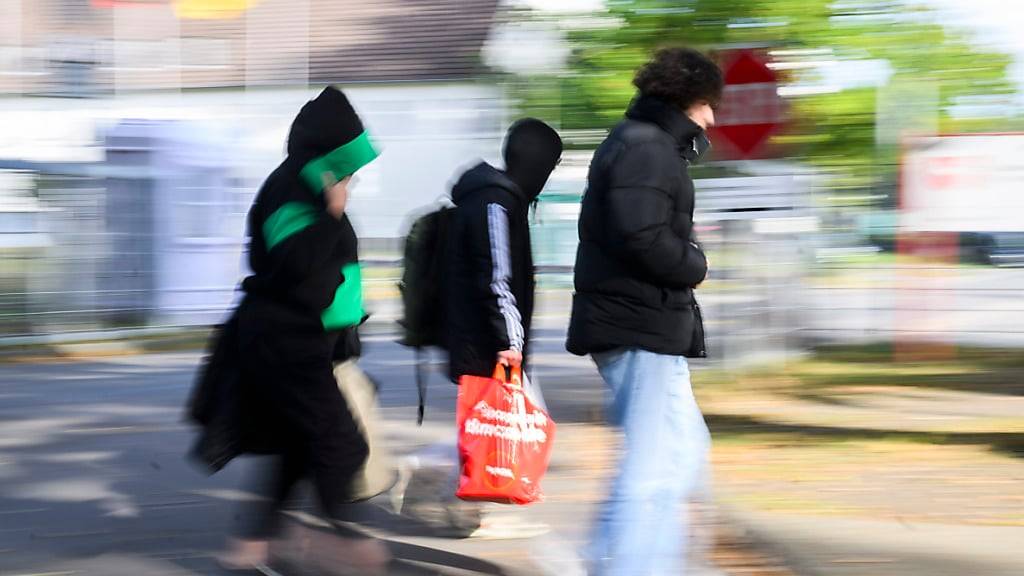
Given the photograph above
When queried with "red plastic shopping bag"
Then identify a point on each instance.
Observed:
(505, 440)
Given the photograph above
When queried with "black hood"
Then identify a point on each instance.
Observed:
(327, 137)
(482, 176)
(323, 124)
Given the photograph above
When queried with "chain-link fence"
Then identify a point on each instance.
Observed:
(130, 247)
(119, 244)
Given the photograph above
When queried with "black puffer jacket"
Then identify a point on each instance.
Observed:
(489, 277)
(638, 262)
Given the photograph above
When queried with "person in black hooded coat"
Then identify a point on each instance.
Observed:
(489, 274)
(302, 304)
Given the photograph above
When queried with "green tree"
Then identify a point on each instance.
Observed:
(833, 130)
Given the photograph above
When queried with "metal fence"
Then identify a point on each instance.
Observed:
(55, 282)
(99, 254)
(915, 301)
(85, 250)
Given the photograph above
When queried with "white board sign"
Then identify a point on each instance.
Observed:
(963, 183)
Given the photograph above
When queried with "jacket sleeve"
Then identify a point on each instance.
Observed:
(300, 238)
(490, 248)
(643, 227)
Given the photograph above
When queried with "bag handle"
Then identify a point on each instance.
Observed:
(508, 374)
(421, 386)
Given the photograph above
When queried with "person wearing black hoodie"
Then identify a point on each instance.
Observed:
(302, 304)
(489, 270)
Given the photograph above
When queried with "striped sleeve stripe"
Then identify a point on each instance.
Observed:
(497, 224)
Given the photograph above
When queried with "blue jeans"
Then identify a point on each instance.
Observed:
(641, 527)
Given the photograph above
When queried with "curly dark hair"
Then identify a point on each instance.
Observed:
(681, 76)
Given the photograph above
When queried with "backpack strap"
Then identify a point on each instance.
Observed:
(421, 385)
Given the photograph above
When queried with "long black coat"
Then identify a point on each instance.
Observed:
(637, 261)
(268, 385)
(234, 416)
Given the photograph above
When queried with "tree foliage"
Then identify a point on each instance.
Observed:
(835, 130)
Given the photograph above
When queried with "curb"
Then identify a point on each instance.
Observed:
(127, 342)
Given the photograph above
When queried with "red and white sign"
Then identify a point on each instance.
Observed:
(751, 109)
(963, 183)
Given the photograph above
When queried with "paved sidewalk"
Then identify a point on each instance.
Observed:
(94, 481)
(817, 546)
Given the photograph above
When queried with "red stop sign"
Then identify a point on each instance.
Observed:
(751, 109)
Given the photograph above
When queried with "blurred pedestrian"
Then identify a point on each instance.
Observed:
(489, 262)
(634, 311)
(488, 277)
(301, 306)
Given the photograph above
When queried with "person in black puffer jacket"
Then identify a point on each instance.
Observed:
(637, 265)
